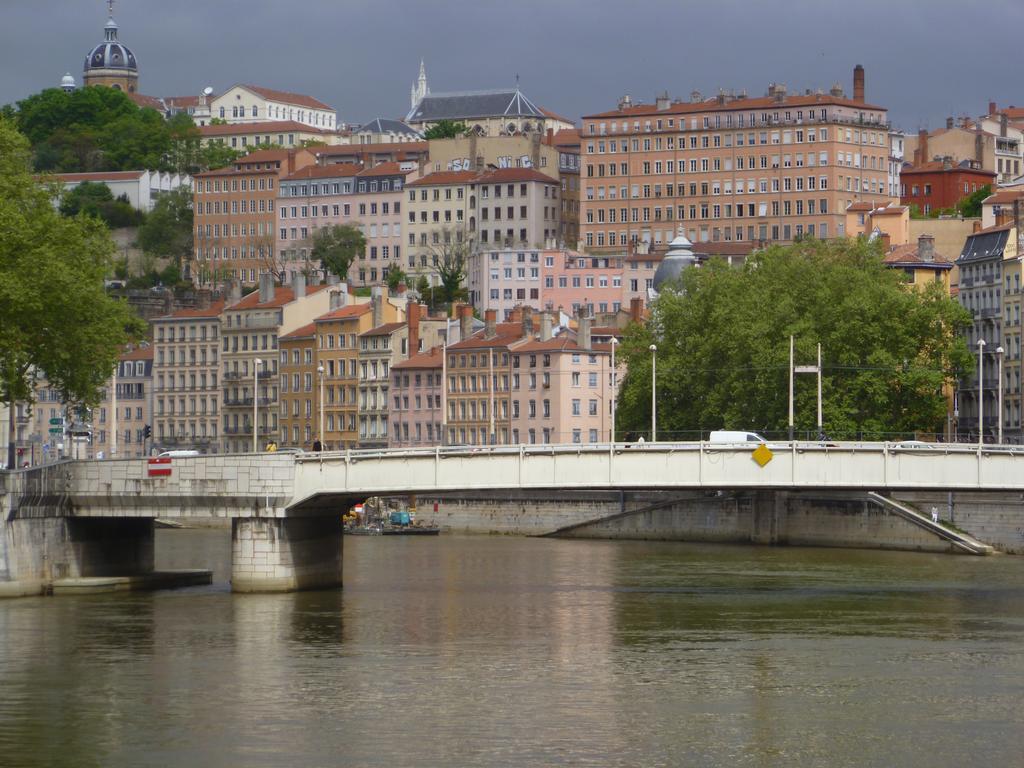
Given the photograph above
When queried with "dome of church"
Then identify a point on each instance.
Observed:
(111, 53)
(678, 258)
(67, 82)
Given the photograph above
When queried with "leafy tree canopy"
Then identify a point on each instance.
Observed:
(445, 129)
(395, 276)
(95, 199)
(722, 337)
(336, 247)
(450, 255)
(970, 206)
(167, 231)
(55, 317)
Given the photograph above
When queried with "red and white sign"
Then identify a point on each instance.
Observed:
(160, 467)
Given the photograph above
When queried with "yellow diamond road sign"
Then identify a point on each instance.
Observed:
(762, 454)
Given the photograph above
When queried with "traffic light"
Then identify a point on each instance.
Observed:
(147, 432)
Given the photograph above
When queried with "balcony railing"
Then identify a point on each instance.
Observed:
(246, 429)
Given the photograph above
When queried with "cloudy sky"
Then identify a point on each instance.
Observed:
(925, 59)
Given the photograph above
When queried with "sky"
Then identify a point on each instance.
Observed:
(574, 57)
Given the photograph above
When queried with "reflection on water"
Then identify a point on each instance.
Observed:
(502, 651)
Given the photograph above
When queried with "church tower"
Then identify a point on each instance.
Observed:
(420, 89)
(111, 63)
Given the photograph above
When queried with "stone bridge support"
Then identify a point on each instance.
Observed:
(284, 554)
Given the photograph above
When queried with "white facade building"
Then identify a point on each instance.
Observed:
(254, 104)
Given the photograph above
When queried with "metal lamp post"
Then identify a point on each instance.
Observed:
(999, 384)
(981, 392)
(615, 343)
(255, 404)
(320, 433)
(654, 393)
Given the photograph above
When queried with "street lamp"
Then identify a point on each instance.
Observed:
(255, 403)
(981, 392)
(999, 417)
(320, 434)
(615, 343)
(654, 393)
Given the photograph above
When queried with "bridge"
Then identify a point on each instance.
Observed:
(96, 517)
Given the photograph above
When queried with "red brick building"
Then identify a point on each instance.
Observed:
(941, 183)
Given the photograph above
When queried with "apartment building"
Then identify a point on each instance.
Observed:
(235, 216)
(369, 198)
(506, 208)
(565, 394)
(481, 372)
(730, 168)
(573, 281)
(941, 184)
(338, 348)
(130, 394)
(250, 332)
(990, 288)
(186, 378)
(415, 402)
(299, 388)
(380, 349)
(503, 279)
(269, 134)
(254, 103)
(990, 144)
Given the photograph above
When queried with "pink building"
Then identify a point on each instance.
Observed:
(574, 280)
(370, 198)
(565, 394)
(416, 400)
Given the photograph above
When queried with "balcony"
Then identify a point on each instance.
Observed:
(246, 429)
(234, 402)
(989, 313)
(232, 375)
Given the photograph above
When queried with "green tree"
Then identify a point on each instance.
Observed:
(337, 246)
(970, 206)
(395, 276)
(445, 129)
(167, 231)
(95, 199)
(55, 317)
(424, 291)
(722, 337)
(450, 255)
(93, 129)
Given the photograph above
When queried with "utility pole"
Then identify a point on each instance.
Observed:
(791, 387)
(255, 404)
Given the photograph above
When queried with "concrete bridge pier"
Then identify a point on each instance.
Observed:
(286, 554)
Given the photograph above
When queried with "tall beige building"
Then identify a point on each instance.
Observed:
(730, 168)
(250, 329)
(186, 379)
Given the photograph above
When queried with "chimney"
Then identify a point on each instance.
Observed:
(1003, 120)
(992, 108)
(545, 326)
(234, 292)
(332, 279)
(947, 163)
(203, 298)
(922, 146)
(583, 332)
(625, 102)
(338, 297)
(886, 242)
(976, 227)
(465, 321)
(377, 305)
(528, 321)
(662, 102)
(979, 148)
(516, 315)
(949, 123)
(413, 323)
(926, 248)
(636, 310)
(299, 285)
(696, 97)
(266, 288)
(490, 323)
(858, 83)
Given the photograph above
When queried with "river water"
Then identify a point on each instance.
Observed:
(483, 651)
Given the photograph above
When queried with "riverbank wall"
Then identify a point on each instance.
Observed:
(836, 519)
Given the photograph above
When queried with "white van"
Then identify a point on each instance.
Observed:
(731, 437)
(179, 454)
